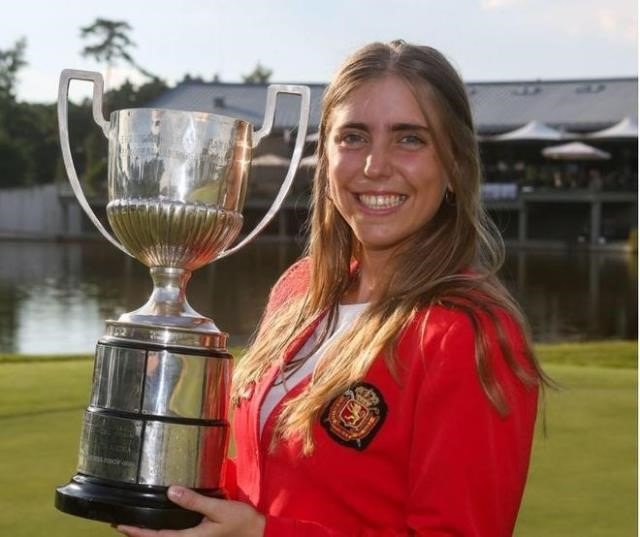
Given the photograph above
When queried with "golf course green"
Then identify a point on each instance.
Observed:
(583, 478)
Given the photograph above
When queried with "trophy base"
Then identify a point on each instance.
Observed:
(131, 505)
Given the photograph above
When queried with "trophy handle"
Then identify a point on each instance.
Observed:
(267, 125)
(66, 77)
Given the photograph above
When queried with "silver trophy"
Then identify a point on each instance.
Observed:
(158, 409)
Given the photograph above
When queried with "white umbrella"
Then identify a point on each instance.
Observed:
(309, 162)
(575, 151)
(270, 160)
(534, 130)
(627, 128)
(313, 137)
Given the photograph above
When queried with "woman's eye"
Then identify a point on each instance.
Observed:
(352, 139)
(412, 139)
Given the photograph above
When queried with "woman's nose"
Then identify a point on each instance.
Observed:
(377, 162)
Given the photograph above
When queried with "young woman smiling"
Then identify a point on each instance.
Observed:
(391, 389)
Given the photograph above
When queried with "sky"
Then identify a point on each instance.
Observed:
(306, 40)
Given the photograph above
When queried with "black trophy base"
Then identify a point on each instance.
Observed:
(129, 505)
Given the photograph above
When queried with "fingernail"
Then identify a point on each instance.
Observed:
(175, 493)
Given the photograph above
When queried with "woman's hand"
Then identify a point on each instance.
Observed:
(222, 518)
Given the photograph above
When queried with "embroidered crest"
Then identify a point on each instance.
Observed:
(354, 417)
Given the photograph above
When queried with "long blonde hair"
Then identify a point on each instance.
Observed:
(452, 261)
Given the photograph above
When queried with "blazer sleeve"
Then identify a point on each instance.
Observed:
(467, 463)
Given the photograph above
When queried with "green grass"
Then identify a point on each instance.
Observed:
(582, 482)
(19, 358)
(610, 354)
(583, 478)
(41, 405)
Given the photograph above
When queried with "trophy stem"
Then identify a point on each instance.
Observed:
(169, 297)
(168, 306)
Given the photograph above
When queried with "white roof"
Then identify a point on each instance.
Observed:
(627, 128)
(270, 160)
(534, 130)
(573, 105)
(309, 162)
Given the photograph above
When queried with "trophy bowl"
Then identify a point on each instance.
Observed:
(158, 412)
(177, 182)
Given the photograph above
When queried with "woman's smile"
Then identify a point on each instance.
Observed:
(380, 203)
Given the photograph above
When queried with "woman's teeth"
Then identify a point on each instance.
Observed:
(382, 201)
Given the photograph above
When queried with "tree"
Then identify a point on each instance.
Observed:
(13, 162)
(259, 75)
(11, 61)
(29, 147)
(113, 45)
(149, 91)
(14, 154)
(188, 78)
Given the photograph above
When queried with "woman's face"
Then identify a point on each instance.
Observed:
(385, 177)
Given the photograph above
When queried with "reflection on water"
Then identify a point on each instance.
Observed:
(576, 295)
(54, 297)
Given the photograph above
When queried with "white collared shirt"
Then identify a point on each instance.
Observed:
(347, 314)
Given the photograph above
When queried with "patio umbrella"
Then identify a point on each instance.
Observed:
(313, 137)
(625, 129)
(270, 160)
(309, 162)
(575, 151)
(534, 130)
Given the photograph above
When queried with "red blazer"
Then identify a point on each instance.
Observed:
(427, 456)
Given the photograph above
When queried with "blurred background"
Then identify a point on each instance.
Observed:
(554, 91)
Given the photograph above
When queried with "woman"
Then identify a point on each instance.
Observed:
(391, 389)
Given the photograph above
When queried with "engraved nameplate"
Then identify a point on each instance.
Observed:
(110, 447)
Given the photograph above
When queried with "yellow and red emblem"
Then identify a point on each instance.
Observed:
(354, 417)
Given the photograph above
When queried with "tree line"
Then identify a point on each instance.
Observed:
(29, 146)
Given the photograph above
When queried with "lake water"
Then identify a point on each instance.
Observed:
(54, 297)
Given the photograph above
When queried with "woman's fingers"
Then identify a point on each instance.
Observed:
(222, 518)
(204, 529)
(205, 505)
(187, 499)
(132, 531)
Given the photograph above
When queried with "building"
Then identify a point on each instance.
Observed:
(572, 105)
(535, 200)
